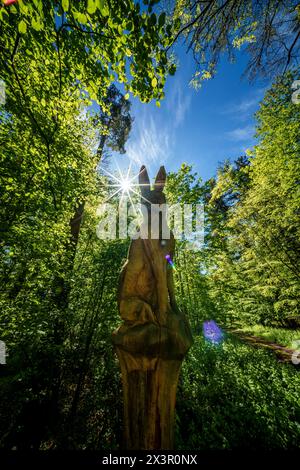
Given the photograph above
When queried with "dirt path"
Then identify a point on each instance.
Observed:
(283, 353)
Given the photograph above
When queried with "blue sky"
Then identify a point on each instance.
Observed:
(202, 127)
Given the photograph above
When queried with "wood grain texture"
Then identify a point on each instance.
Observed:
(153, 338)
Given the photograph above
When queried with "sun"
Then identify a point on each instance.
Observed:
(125, 185)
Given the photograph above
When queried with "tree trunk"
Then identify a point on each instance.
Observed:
(149, 389)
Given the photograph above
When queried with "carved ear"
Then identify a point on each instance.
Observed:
(160, 179)
(144, 180)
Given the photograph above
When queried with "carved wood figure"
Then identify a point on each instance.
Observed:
(154, 336)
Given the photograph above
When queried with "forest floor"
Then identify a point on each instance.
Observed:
(283, 353)
(233, 395)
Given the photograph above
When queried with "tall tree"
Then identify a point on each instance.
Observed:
(269, 31)
(255, 269)
(58, 60)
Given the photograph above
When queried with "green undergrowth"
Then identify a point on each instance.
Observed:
(234, 396)
(282, 336)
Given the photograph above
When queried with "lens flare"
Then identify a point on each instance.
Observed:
(9, 2)
(212, 332)
(169, 259)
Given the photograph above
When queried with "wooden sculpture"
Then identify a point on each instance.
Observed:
(154, 336)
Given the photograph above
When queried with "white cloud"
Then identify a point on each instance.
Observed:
(245, 108)
(241, 133)
(153, 136)
(179, 103)
(150, 144)
(245, 105)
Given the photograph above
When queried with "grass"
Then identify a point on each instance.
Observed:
(233, 396)
(282, 336)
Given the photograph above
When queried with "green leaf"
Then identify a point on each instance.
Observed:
(172, 69)
(157, 104)
(36, 24)
(80, 17)
(22, 27)
(154, 82)
(126, 97)
(23, 8)
(177, 24)
(65, 5)
(102, 7)
(91, 7)
(162, 19)
(153, 19)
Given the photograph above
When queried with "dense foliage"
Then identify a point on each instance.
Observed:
(254, 242)
(268, 32)
(60, 387)
(59, 61)
(232, 396)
